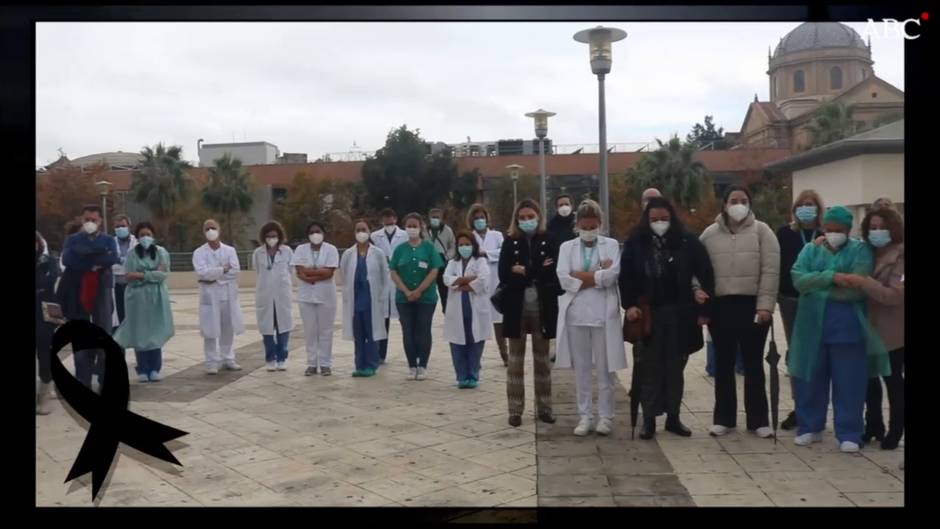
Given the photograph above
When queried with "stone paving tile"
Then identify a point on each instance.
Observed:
(783, 461)
(507, 459)
(751, 499)
(580, 485)
(405, 486)
(570, 466)
(464, 471)
(642, 485)
(681, 500)
(718, 483)
(876, 499)
(504, 487)
(604, 500)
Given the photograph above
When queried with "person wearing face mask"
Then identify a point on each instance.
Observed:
(745, 256)
(273, 299)
(220, 316)
(316, 262)
(834, 348)
(414, 267)
(884, 230)
(804, 229)
(659, 260)
(527, 274)
(467, 323)
(47, 272)
(86, 289)
(490, 242)
(365, 270)
(126, 242)
(149, 322)
(387, 239)
(442, 237)
(562, 224)
(588, 325)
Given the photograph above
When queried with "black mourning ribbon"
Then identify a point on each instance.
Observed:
(109, 420)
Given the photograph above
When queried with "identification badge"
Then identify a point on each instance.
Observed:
(422, 264)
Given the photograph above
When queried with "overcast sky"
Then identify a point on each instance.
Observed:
(319, 87)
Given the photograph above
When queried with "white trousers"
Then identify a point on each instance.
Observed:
(219, 350)
(318, 321)
(588, 349)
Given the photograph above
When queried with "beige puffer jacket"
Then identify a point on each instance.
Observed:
(746, 263)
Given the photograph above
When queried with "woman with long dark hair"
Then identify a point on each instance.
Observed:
(467, 323)
(273, 294)
(148, 321)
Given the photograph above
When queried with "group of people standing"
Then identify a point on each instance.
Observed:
(841, 301)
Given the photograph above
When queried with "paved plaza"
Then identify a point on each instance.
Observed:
(258, 438)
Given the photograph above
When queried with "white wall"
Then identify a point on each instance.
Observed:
(261, 154)
(855, 182)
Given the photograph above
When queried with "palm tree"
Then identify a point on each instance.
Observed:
(162, 182)
(833, 122)
(228, 191)
(672, 169)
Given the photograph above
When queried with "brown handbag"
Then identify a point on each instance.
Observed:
(636, 331)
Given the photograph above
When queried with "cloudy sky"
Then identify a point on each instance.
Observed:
(318, 87)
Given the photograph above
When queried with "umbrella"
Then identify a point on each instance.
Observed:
(772, 358)
(634, 395)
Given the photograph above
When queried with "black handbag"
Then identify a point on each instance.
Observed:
(497, 298)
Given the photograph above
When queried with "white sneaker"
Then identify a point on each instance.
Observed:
(421, 374)
(764, 432)
(605, 426)
(412, 373)
(807, 439)
(143, 378)
(584, 427)
(212, 370)
(848, 447)
(282, 366)
(718, 430)
(270, 366)
(232, 366)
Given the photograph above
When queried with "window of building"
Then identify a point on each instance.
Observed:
(835, 78)
(799, 81)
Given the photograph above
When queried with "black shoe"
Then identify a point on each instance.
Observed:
(547, 417)
(674, 425)
(515, 420)
(873, 432)
(891, 441)
(790, 422)
(649, 428)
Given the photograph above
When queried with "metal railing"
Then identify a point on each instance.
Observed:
(183, 261)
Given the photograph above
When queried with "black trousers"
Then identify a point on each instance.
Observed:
(44, 332)
(895, 384)
(441, 289)
(731, 327)
(661, 366)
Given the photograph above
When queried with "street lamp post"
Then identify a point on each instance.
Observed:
(104, 186)
(600, 40)
(541, 130)
(514, 176)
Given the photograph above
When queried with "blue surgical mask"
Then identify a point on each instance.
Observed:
(465, 251)
(879, 238)
(529, 226)
(122, 232)
(479, 224)
(435, 223)
(806, 213)
(146, 241)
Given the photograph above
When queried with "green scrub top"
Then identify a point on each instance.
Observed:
(413, 264)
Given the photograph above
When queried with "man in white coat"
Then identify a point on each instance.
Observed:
(490, 242)
(126, 242)
(589, 325)
(387, 239)
(220, 317)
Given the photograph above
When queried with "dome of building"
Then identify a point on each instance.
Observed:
(817, 35)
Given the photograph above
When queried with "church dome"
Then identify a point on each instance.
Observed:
(817, 35)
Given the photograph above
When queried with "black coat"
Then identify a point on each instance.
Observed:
(562, 228)
(791, 244)
(692, 260)
(545, 279)
(47, 272)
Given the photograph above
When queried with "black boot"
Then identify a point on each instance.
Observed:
(790, 422)
(674, 425)
(891, 441)
(875, 431)
(649, 428)
(547, 417)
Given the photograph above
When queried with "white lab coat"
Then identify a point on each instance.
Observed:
(569, 258)
(378, 277)
(490, 246)
(209, 267)
(273, 289)
(380, 240)
(479, 301)
(118, 269)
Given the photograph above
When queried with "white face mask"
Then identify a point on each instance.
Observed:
(316, 238)
(588, 235)
(272, 242)
(660, 227)
(390, 229)
(90, 227)
(413, 233)
(738, 212)
(564, 211)
(835, 239)
(212, 235)
(362, 237)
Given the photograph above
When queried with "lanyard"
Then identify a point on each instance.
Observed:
(589, 256)
(802, 236)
